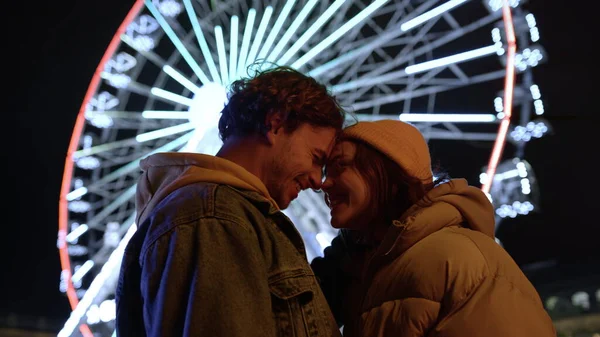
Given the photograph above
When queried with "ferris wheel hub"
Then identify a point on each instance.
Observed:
(205, 110)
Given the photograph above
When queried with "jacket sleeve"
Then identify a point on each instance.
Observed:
(332, 274)
(206, 278)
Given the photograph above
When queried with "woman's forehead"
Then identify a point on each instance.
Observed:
(343, 149)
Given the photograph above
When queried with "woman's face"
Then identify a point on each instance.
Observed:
(346, 190)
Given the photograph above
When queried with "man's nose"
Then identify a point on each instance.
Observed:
(316, 179)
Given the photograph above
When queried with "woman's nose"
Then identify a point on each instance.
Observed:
(327, 184)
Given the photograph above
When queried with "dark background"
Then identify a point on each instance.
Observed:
(51, 50)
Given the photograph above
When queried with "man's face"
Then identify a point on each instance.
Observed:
(297, 161)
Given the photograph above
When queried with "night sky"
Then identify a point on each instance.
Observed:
(52, 50)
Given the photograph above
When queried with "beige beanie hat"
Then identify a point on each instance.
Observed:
(401, 142)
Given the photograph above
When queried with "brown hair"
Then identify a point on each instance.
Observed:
(392, 190)
(297, 97)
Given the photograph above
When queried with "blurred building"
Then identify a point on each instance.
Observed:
(571, 295)
(14, 325)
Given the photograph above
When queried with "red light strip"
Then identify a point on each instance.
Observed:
(509, 86)
(68, 171)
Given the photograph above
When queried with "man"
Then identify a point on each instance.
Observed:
(213, 254)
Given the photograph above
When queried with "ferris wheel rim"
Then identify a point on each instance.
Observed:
(65, 260)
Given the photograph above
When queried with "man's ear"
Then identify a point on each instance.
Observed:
(274, 124)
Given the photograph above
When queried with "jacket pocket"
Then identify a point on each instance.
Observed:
(293, 305)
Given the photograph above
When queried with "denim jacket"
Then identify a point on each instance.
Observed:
(214, 260)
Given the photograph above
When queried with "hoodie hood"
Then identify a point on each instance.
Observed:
(449, 204)
(163, 173)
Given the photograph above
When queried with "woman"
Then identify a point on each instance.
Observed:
(416, 257)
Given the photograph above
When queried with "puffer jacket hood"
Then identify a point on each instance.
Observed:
(451, 203)
(163, 173)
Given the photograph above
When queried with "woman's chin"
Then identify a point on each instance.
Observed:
(337, 223)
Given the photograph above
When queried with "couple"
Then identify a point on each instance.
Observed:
(215, 256)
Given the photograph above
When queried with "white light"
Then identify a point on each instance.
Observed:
(581, 299)
(207, 105)
(222, 54)
(112, 264)
(177, 42)
(92, 315)
(79, 206)
(496, 37)
(170, 96)
(311, 31)
(324, 239)
(143, 43)
(77, 193)
(338, 33)
(262, 27)
(169, 8)
(498, 104)
(506, 175)
(246, 41)
(76, 233)
(535, 34)
(276, 28)
(291, 30)
(441, 118)
(99, 119)
(108, 310)
(444, 61)
(119, 81)
(204, 114)
(165, 114)
(530, 20)
(202, 41)
(483, 178)
(535, 91)
(539, 107)
(233, 44)
(144, 137)
(431, 14)
(88, 163)
(81, 271)
(180, 78)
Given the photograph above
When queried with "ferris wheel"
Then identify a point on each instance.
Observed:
(163, 81)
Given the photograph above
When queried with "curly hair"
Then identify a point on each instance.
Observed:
(284, 90)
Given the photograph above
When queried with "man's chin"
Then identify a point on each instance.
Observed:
(283, 203)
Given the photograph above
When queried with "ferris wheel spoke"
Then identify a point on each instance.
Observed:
(159, 62)
(125, 196)
(291, 30)
(111, 267)
(283, 15)
(164, 132)
(458, 72)
(222, 54)
(356, 20)
(177, 42)
(248, 27)
(368, 81)
(128, 168)
(425, 91)
(381, 40)
(262, 27)
(233, 46)
(408, 53)
(170, 97)
(210, 62)
(312, 29)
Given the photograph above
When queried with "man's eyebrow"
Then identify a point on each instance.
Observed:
(322, 155)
